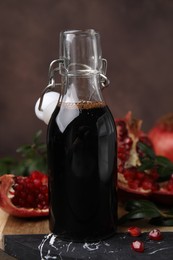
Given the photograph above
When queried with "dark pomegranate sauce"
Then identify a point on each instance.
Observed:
(81, 144)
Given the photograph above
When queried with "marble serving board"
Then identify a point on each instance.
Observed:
(27, 247)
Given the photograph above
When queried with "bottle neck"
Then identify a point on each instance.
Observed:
(79, 88)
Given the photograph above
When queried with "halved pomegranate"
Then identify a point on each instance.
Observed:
(24, 196)
(132, 183)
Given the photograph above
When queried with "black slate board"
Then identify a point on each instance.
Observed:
(5, 256)
(36, 247)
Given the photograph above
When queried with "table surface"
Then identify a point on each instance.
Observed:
(12, 225)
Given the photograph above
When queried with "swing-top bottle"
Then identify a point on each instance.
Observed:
(81, 144)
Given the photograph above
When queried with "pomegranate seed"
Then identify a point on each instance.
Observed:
(134, 184)
(30, 198)
(18, 187)
(147, 184)
(128, 143)
(39, 206)
(21, 202)
(30, 185)
(137, 246)
(122, 156)
(41, 196)
(120, 168)
(44, 189)
(128, 140)
(121, 129)
(121, 149)
(23, 194)
(134, 231)
(43, 203)
(128, 147)
(154, 174)
(36, 175)
(155, 186)
(169, 185)
(129, 174)
(37, 183)
(140, 175)
(155, 234)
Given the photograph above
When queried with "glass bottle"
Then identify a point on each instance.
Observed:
(81, 144)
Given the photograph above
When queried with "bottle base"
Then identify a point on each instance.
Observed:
(83, 239)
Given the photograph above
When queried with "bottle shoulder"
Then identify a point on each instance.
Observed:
(90, 114)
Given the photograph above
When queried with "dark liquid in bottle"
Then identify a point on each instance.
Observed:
(81, 144)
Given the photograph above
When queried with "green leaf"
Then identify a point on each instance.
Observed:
(140, 214)
(33, 157)
(161, 160)
(138, 204)
(164, 168)
(150, 161)
(164, 173)
(147, 150)
(160, 221)
(7, 164)
(146, 164)
(170, 212)
(144, 209)
(37, 136)
(24, 149)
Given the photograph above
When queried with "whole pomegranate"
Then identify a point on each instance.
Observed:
(132, 182)
(161, 136)
(24, 196)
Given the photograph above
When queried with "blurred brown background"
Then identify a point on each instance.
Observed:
(137, 41)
